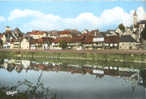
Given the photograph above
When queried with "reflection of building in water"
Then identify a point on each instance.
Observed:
(34, 90)
(25, 63)
(130, 74)
(143, 81)
(99, 71)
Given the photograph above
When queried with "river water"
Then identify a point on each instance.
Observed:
(25, 79)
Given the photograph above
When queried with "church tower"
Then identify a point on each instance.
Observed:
(134, 18)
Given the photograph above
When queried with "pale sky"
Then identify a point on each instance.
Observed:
(69, 14)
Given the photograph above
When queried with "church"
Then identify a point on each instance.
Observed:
(130, 38)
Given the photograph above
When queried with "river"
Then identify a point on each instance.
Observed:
(28, 79)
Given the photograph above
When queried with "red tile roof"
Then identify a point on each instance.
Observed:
(85, 38)
(74, 39)
(37, 32)
(65, 32)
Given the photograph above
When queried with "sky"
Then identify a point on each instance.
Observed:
(48, 15)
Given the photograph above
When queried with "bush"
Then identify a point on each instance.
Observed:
(63, 44)
(122, 27)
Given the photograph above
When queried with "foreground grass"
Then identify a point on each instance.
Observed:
(88, 56)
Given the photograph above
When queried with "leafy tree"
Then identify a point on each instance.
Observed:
(122, 27)
(1, 43)
(63, 44)
(143, 34)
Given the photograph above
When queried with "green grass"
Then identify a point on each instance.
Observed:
(136, 58)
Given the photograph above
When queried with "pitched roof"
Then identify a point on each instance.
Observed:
(37, 32)
(142, 22)
(87, 38)
(75, 33)
(53, 33)
(111, 39)
(65, 32)
(127, 38)
(74, 39)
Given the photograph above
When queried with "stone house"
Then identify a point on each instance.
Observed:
(111, 42)
(33, 45)
(15, 44)
(25, 43)
(42, 43)
(98, 40)
(37, 34)
(72, 43)
(65, 33)
(3, 38)
(87, 41)
(53, 34)
(75, 43)
(6, 45)
(127, 42)
(46, 43)
(36, 44)
(56, 42)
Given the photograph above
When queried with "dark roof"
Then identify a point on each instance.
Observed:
(87, 38)
(111, 39)
(142, 22)
(127, 38)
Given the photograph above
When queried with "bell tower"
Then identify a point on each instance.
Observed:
(134, 18)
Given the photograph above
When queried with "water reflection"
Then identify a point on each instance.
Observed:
(48, 80)
(26, 90)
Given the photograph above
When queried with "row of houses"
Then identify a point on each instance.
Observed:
(120, 38)
(87, 40)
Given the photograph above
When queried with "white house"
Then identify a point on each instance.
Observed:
(25, 44)
(127, 42)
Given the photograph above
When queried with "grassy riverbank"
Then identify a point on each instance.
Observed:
(136, 57)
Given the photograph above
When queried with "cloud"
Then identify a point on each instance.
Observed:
(23, 13)
(141, 13)
(87, 20)
(115, 16)
(51, 22)
(2, 19)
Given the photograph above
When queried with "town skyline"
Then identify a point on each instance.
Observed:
(68, 15)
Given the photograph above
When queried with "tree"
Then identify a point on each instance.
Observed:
(143, 34)
(122, 27)
(1, 43)
(63, 44)
(143, 75)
